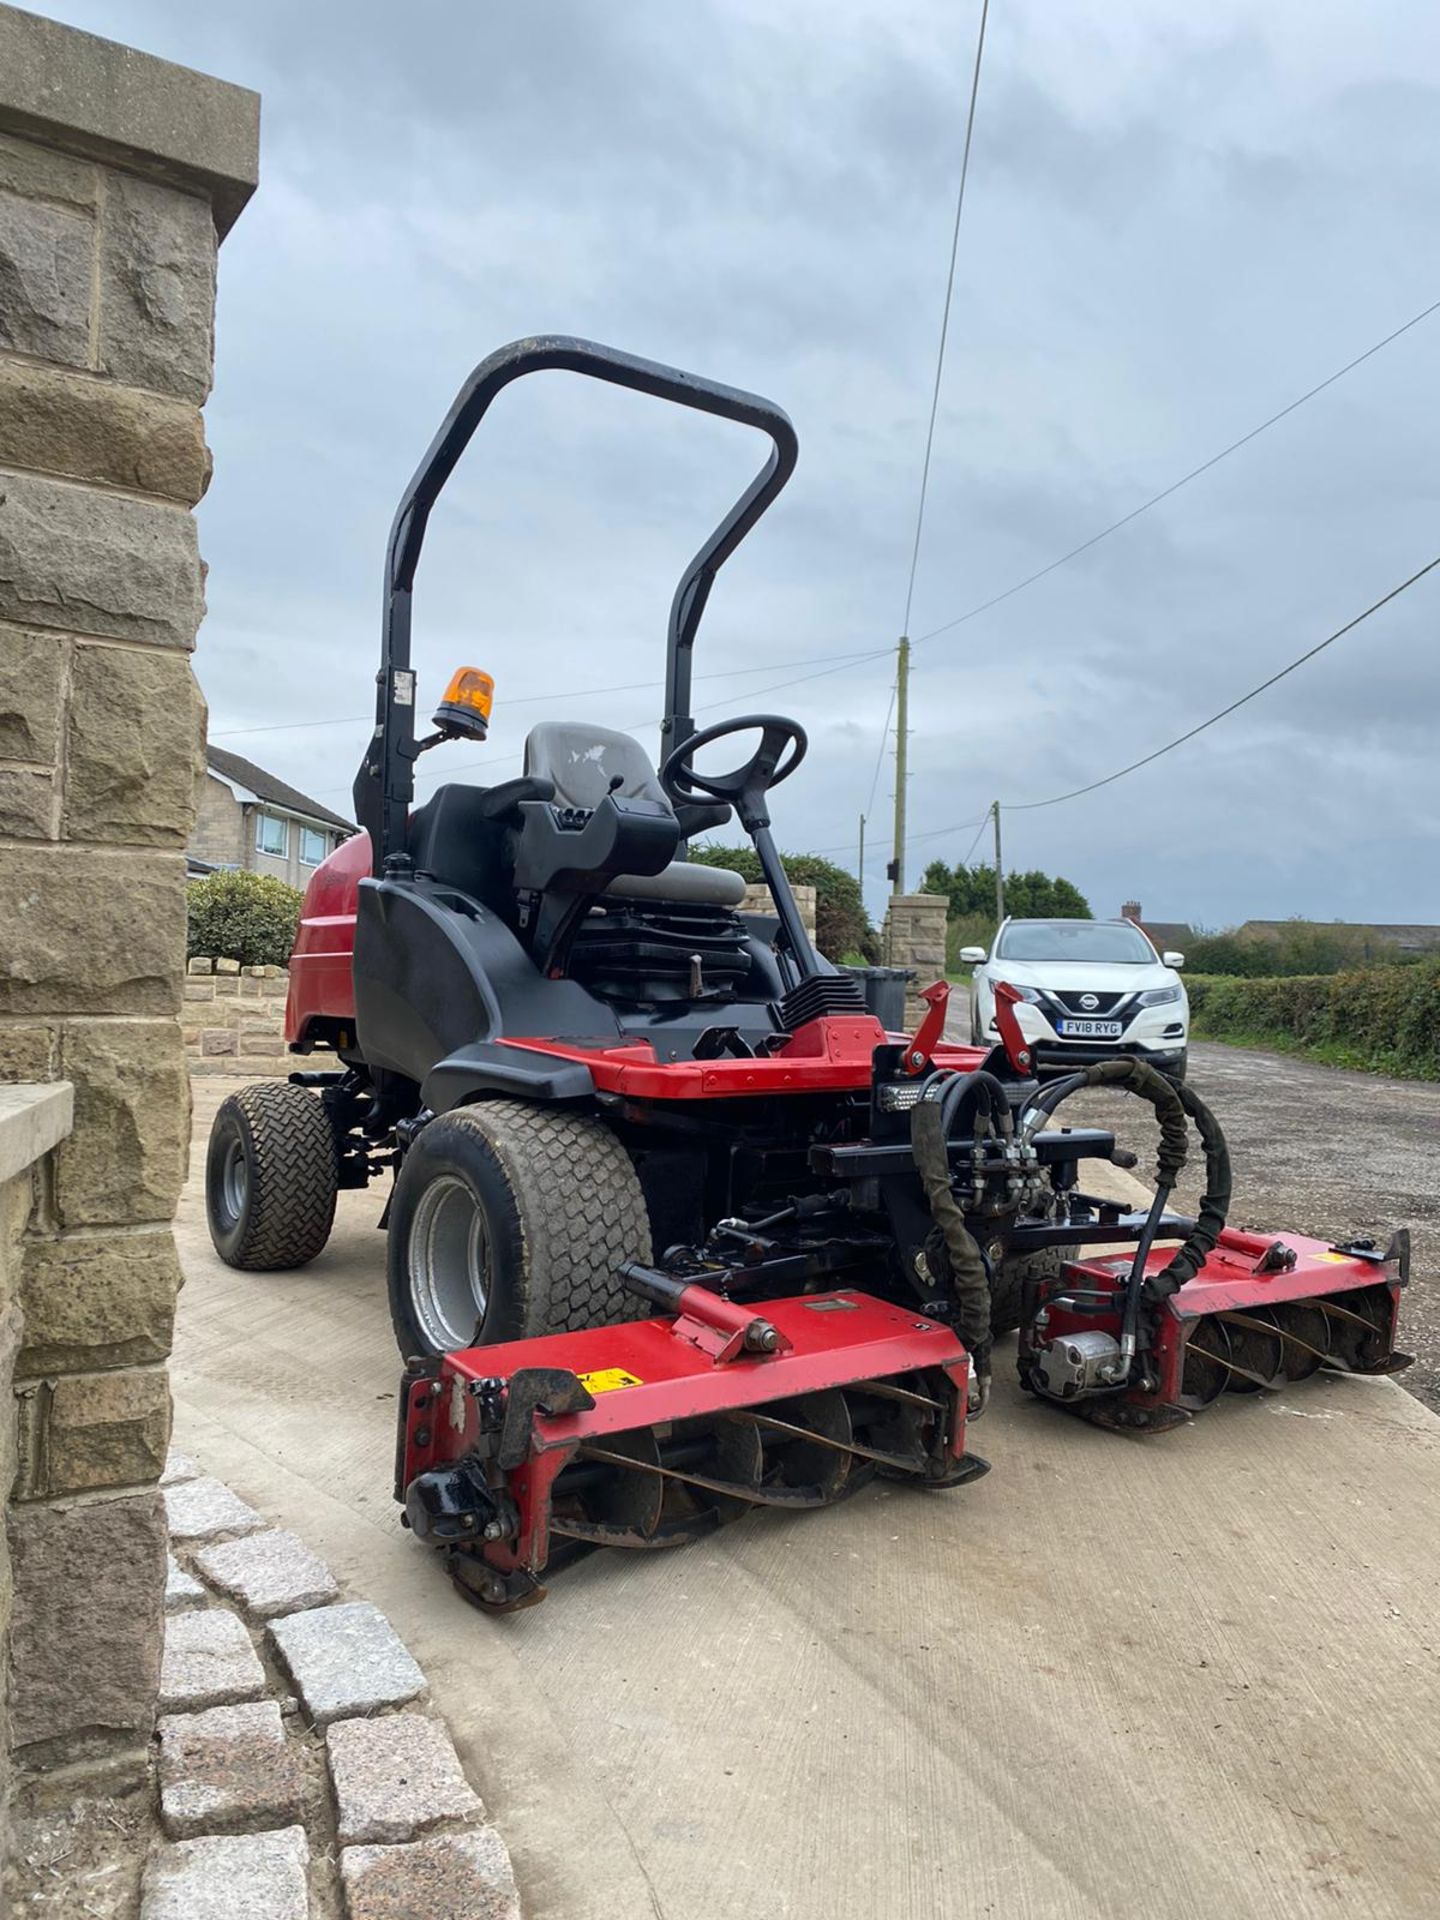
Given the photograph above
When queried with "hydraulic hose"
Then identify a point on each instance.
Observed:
(1172, 1102)
(971, 1281)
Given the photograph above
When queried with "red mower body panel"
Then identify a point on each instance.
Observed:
(322, 985)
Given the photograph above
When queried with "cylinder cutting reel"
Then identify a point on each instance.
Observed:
(515, 1460)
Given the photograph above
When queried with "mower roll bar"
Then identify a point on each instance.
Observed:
(385, 784)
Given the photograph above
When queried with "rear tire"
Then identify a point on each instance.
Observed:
(271, 1175)
(508, 1221)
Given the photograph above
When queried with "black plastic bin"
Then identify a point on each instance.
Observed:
(884, 990)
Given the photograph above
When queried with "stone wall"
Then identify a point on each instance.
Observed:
(117, 174)
(757, 900)
(914, 937)
(234, 1019)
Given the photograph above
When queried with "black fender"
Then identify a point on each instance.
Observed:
(470, 1073)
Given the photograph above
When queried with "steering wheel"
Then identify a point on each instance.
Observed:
(783, 745)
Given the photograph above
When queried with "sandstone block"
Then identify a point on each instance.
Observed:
(269, 1573)
(124, 913)
(227, 1770)
(65, 423)
(107, 1430)
(97, 1300)
(216, 1040)
(68, 1682)
(45, 279)
(134, 761)
(40, 173)
(346, 1660)
(27, 804)
(32, 670)
(125, 1161)
(209, 1661)
(253, 1876)
(199, 990)
(84, 560)
(157, 287)
(200, 963)
(227, 966)
(395, 1777)
(266, 1045)
(466, 1876)
(205, 1509)
(27, 1053)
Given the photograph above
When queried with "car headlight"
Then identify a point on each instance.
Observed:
(1026, 993)
(1160, 996)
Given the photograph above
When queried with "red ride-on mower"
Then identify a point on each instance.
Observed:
(606, 1090)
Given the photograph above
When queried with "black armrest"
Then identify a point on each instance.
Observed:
(575, 852)
(498, 801)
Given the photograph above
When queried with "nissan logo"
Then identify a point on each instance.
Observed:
(1089, 1002)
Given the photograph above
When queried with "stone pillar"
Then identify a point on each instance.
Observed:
(914, 937)
(119, 174)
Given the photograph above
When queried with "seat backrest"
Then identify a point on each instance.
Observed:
(584, 761)
(455, 837)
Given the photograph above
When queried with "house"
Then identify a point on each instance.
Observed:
(1166, 936)
(247, 818)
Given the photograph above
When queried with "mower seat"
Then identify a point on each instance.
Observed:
(584, 763)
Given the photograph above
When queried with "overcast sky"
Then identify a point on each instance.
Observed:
(1177, 220)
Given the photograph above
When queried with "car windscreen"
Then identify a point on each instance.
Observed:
(1100, 940)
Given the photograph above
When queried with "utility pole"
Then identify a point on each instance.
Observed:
(999, 867)
(861, 865)
(902, 735)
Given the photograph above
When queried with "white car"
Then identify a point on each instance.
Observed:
(1091, 989)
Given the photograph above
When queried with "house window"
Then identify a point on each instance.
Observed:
(272, 835)
(314, 846)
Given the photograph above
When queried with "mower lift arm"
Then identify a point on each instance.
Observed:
(384, 786)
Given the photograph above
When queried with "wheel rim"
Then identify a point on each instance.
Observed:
(234, 1180)
(449, 1263)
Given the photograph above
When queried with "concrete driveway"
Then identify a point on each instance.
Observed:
(1194, 1675)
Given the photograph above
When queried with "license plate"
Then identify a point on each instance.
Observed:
(1090, 1029)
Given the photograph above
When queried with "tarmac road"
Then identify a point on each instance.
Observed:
(1193, 1675)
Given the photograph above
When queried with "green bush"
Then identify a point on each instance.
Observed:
(249, 917)
(842, 926)
(1386, 1018)
(1297, 947)
(1028, 896)
(967, 930)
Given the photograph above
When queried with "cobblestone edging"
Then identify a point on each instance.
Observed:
(302, 1772)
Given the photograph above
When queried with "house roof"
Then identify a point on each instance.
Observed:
(1409, 934)
(1168, 933)
(265, 787)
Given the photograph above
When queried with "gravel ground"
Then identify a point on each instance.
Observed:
(1320, 1151)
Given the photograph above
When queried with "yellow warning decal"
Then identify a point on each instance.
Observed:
(607, 1379)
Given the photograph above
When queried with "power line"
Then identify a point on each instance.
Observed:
(1175, 485)
(945, 316)
(1350, 625)
(880, 753)
(542, 699)
(1031, 806)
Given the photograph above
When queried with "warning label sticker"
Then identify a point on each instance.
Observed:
(607, 1379)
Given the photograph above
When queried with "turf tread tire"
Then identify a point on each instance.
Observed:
(578, 1212)
(293, 1177)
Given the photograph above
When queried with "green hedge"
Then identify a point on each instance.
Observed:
(249, 917)
(1384, 1018)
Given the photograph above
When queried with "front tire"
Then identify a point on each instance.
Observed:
(271, 1176)
(508, 1221)
(1007, 1294)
